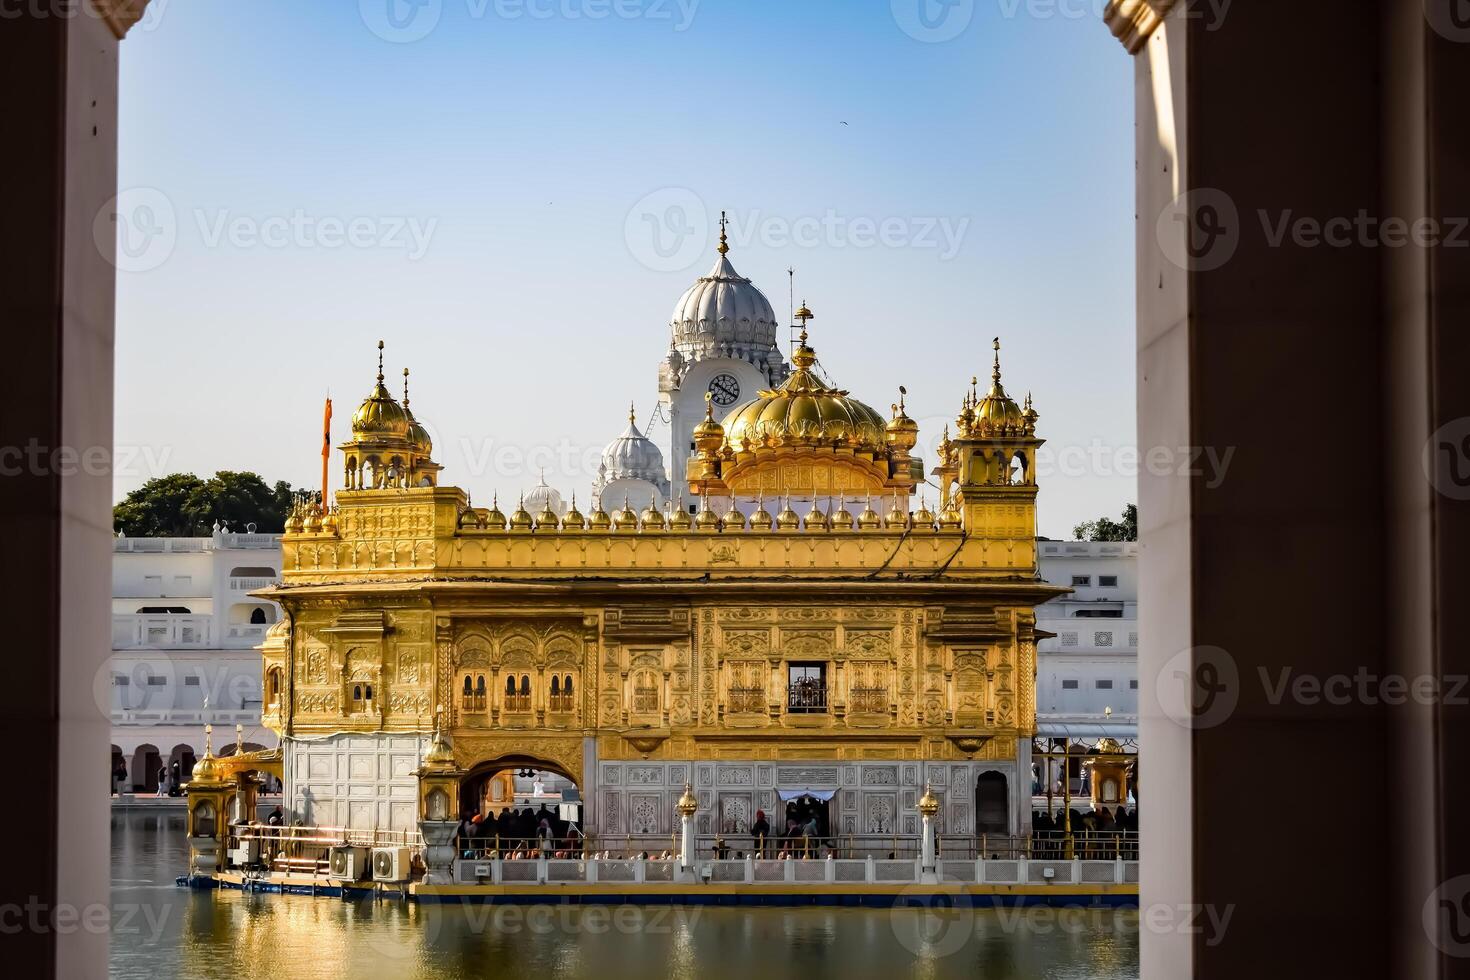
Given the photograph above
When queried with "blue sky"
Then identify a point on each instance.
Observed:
(479, 183)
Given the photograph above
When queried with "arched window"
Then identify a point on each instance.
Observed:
(367, 692)
(467, 698)
(561, 693)
(510, 686)
(518, 701)
(257, 616)
(273, 687)
(555, 686)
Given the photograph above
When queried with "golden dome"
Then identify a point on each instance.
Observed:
(574, 521)
(815, 519)
(625, 519)
(787, 520)
(709, 435)
(707, 520)
(761, 519)
(521, 519)
(901, 431)
(869, 517)
(599, 521)
(997, 410)
(897, 516)
(949, 516)
(652, 517)
(679, 519)
(495, 519)
(928, 804)
(547, 519)
(733, 520)
(687, 804)
(805, 411)
(440, 753)
(841, 519)
(380, 416)
(206, 770)
(923, 517)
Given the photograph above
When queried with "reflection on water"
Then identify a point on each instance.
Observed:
(162, 932)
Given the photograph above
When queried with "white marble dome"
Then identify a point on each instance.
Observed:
(723, 313)
(541, 498)
(632, 456)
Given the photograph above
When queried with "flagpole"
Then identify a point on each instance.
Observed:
(326, 449)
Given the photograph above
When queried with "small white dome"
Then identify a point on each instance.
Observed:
(542, 497)
(632, 456)
(723, 313)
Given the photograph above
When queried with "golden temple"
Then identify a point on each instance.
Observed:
(859, 651)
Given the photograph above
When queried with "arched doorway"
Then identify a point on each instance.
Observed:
(520, 803)
(144, 770)
(117, 771)
(992, 804)
(180, 767)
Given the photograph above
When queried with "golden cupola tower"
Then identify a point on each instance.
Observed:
(987, 472)
(389, 448)
(806, 439)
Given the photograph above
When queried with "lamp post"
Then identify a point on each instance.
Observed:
(687, 807)
(927, 806)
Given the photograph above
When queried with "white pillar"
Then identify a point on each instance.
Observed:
(928, 846)
(686, 808)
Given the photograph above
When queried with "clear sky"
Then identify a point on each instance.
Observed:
(514, 193)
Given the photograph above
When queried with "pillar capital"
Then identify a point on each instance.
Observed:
(120, 15)
(1133, 21)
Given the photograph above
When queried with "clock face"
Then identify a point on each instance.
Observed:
(724, 389)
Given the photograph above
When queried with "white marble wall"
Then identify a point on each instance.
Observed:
(360, 781)
(872, 797)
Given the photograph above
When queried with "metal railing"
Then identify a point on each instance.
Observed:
(806, 696)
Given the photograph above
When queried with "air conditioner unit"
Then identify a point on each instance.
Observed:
(391, 864)
(348, 863)
(245, 853)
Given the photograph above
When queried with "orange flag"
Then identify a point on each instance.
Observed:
(326, 449)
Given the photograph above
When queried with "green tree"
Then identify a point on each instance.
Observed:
(159, 508)
(1104, 529)
(183, 505)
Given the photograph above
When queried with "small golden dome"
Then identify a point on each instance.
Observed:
(521, 519)
(709, 435)
(734, 519)
(295, 521)
(815, 519)
(679, 519)
(1108, 745)
(901, 431)
(869, 518)
(652, 517)
(313, 519)
(949, 516)
(841, 519)
(923, 517)
(760, 520)
(787, 520)
(206, 770)
(329, 521)
(547, 519)
(440, 753)
(997, 411)
(625, 519)
(928, 804)
(687, 805)
(706, 520)
(495, 519)
(574, 519)
(897, 516)
(599, 521)
(380, 416)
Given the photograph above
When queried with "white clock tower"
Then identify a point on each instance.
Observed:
(723, 342)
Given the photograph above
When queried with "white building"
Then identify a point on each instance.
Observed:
(184, 632)
(1090, 668)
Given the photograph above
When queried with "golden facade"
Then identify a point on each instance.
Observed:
(864, 654)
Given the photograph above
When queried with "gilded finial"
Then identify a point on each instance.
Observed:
(995, 371)
(724, 241)
(405, 387)
(380, 362)
(632, 415)
(902, 394)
